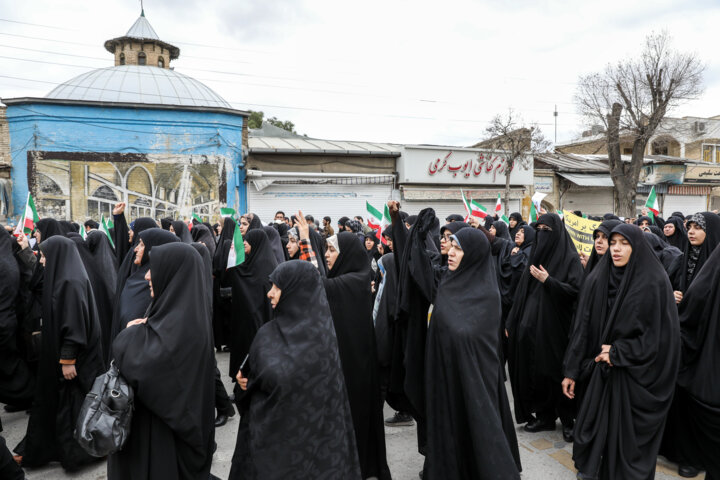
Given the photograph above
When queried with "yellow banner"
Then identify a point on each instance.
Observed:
(581, 231)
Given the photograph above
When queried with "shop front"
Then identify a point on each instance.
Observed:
(433, 176)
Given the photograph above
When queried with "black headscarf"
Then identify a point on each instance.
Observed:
(275, 243)
(133, 299)
(454, 218)
(657, 231)
(605, 227)
(373, 253)
(159, 359)
(296, 389)
(201, 233)
(182, 231)
(453, 228)
(520, 222)
(207, 272)
(619, 424)
(253, 221)
(67, 226)
(463, 337)
(71, 330)
(695, 257)
(502, 230)
(670, 257)
(49, 227)
(539, 321)
(645, 218)
(319, 246)
(166, 222)
(348, 292)
(124, 250)
(224, 243)
(251, 308)
(678, 239)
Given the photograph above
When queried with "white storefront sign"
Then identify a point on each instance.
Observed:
(458, 166)
(544, 184)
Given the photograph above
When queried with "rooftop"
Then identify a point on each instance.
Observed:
(303, 145)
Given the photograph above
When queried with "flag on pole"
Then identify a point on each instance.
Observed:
(652, 204)
(236, 256)
(197, 218)
(105, 229)
(533, 213)
(228, 212)
(505, 219)
(30, 218)
(535, 206)
(473, 207)
(498, 205)
(82, 232)
(378, 221)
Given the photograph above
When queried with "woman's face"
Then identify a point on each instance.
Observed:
(244, 224)
(669, 229)
(171, 229)
(601, 243)
(519, 237)
(148, 277)
(620, 249)
(644, 223)
(274, 295)
(42, 259)
(512, 222)
(219, 229)
(492, 230)
(455, 256)
(696, 235)
(247, 247)
(445, 242)
(389, 243)
(292, 246)
(139, 252)
(331, 256)
(369, 244)
(37, 236)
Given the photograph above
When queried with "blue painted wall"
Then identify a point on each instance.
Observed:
(74, 128)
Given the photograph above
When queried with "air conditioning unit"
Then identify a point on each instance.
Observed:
(700, 127)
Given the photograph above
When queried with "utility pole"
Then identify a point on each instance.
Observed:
(555, 114)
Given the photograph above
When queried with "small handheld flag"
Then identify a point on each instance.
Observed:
(82, 233)
(378, 221)
(228, 212)
(236, 256)
(30, 218)
(652, 204)
(473, 208)
(104, 227)
(197, 218)
(498, 205)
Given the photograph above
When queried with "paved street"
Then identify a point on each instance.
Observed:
(544, 455)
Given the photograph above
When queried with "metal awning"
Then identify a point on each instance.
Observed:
(263, 179)
(588, 180)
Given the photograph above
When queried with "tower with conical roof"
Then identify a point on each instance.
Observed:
(142, 46)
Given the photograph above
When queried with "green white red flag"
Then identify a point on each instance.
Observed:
(228, 212)
(197, 218)
(378, 221)
(473, 208)
(82, 232)
(652, 204)
(106, 230)
(236, 256)
(29, 219)
(498, 205)
(505, 219)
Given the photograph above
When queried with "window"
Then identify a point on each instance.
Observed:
(142, 59)
(627, 151)
(161, 62)
(711, 153)
(122, 59)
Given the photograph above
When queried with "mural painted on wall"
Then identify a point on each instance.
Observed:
(77, 186)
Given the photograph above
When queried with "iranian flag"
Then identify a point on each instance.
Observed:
(378, 221)
(533, 213)
(505, 219)
(106, 230)
(197, 218)
(498, 205)
(30, 218)
(473, 207)
(82, 232)
(652, 204)
(227, 212)
(236, 256)
(537, 199)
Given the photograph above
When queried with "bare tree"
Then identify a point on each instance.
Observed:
(631, 99)
(517, 141)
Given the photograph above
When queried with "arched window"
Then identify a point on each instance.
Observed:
(122, 59)
(142, 59)
(161, 62)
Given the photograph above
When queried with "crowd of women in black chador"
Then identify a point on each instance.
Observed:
(621, 345)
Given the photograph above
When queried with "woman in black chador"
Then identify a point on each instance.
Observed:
(692, 435)
(350, 298)
(168, 360)
(538, 327)
(601, 241)
(179, 228)
(469, 425)
(297, 421)
(70, 358)
(222, 290)
(624, 349)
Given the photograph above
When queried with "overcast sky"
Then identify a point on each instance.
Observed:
(384, 71)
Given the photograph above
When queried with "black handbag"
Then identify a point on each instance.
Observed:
(103, 425)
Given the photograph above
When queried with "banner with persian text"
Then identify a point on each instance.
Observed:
(581, 231)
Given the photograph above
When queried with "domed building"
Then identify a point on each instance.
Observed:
(138, 132)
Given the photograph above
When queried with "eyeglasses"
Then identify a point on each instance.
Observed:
(446, 237)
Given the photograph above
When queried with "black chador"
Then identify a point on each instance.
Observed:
(297, 422)
(469, 425)
(170, 364)
(538, 327)
(632, 308)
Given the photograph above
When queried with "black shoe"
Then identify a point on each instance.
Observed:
(688, 471)
(539, 426)
(16, 408)
(568, 434)
(400, 419)
(420, 474)
(221, 420)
